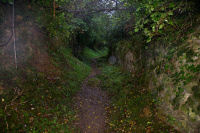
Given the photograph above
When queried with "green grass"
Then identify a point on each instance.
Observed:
(132, 105)
(37, 103)
(94, 54)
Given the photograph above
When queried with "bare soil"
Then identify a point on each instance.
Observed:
(91, 103)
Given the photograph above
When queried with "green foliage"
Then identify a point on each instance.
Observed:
(157, 14)
(121, 25)
(80, 69)
(154, 16)
(57, 27)
(79, 25)
(99, 30)
(90, 54)
(7, 1)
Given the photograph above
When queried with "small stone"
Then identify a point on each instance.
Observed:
(112, 60)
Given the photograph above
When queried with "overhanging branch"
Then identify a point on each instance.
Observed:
(83, 11)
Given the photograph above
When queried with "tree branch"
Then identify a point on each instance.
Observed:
(83, 11)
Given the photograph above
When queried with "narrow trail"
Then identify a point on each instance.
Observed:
(91, 103)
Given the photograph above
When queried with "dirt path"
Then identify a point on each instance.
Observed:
(91, 102)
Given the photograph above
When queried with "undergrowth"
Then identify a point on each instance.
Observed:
(90, 54)
(35, 102)
(132, 106)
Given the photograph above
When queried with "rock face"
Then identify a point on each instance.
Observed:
(112, 60)
(175, 79)
(30, 41)
(180, 86)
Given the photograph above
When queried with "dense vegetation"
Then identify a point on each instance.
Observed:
(149, 38)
